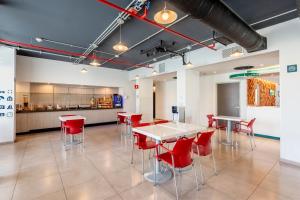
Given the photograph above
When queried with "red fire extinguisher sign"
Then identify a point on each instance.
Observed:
(136, 86)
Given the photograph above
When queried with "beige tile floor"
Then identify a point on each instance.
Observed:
(38, 167)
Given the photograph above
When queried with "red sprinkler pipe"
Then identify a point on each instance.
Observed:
(68, 53)
(154, 23)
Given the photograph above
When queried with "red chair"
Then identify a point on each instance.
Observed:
(180, 157)
(213, 123)
(121, 119)
(203, 147)
(74, 127)
(135, 119)
(62, 124)
(141, 142)
(246, 127)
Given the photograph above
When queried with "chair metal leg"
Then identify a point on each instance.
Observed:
(250, 139)
(253, 139)
(175, 181)
(132, 150)
(83, 136)
(196, 177)
(201, 168)
(214, 162)
(143, 165)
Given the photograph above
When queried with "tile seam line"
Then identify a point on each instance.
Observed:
(118, 194)
(56, 163)
(257, 186)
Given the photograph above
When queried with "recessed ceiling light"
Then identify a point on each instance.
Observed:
(154, 59)
(83, 70)
(236, 53)
(189, 64)
(117, 56)
(154, 72)
(38, 39)
(137, 77)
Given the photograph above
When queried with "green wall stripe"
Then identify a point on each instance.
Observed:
(267, 136)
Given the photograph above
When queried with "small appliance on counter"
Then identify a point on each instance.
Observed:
(117, 101)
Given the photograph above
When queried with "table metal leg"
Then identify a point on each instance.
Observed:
(157, 176)
(228, 135)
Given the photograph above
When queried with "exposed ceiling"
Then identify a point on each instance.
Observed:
(81, 22)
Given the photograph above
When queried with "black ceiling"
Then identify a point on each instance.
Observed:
(81, 22)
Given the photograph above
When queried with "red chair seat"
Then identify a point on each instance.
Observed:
(73, 131)
(203, 150)
(171, 140)
(146, 145)
(179, 162)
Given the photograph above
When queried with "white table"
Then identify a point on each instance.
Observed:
(229, 120)
(161, 132)
(128, 115)
(66, 118)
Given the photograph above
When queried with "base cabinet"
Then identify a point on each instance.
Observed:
(26, 122)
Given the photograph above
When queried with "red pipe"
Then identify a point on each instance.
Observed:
(154, 23)
(68, 53)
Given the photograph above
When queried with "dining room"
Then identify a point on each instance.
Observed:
(141, 99)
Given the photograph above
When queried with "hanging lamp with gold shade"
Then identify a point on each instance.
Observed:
(94, 61)
(120, 46)
(165, 16)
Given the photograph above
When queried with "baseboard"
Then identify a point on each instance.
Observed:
(290, 163)
(266, 136)
(58, 128)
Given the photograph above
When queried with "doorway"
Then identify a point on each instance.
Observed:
(228, 99)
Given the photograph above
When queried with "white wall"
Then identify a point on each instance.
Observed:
(51, 71)
(7, 89)
(166, 97)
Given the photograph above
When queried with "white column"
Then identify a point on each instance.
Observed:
(144, 99)
(7, 95)
(188, 94)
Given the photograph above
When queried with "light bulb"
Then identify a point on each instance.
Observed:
(165, 15)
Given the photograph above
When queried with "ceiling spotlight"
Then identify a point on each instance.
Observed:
(154, 59)
(189, 47)
(236, 53)
(83, 70)
(165, 16)
(137, 77)
(120, 46)
(38, 39)
(95, 62)
(189, 64)
(154, 72)
(117, 56)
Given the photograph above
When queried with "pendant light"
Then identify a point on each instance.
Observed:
(120, 46)
(94, 62)
(165, 16)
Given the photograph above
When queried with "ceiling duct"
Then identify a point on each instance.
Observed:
(220, 17)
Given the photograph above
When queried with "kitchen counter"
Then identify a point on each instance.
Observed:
(63, 110)
(37, 120)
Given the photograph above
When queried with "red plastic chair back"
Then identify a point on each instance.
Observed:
(141, 139)
(74, 126)
(204, 143)
(121, 118)
(135, 119)
(182, 152)
(163, 121)
(250, 124)
(210, 120)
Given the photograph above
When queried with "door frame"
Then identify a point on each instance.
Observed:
(216, 95)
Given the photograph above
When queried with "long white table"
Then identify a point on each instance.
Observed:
(229, 120)
(165, 131)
